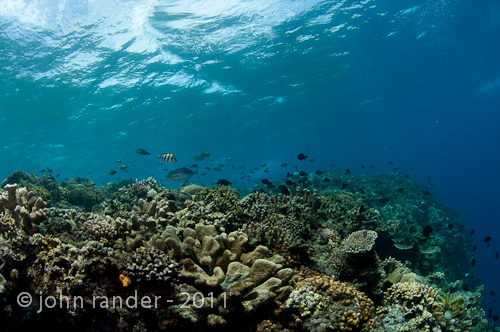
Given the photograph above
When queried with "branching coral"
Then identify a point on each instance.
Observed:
(326, 304)
(24, 206)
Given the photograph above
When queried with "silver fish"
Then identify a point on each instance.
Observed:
(180, 174)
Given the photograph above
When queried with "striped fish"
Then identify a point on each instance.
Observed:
(168, 158)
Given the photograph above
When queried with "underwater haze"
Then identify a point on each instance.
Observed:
(408, 86)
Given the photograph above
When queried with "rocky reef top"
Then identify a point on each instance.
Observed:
(378, 254)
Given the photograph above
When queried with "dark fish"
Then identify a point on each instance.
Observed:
(112, 173)
(475, 247)
(290, 183)
(449, 226)
(205, 154)
(142, 152)
(390, 163)
(42, 171)
(301, 156)
(495, 318)
(217, 169)
(49, 171)
(344, 185)
(168, 158)
(465, 287)
(58, 174)
(264, 181)
(372, 167)
(284, 165)
(223, 182)
(266, 170)
(284, 190)
(472, 231)
(400, 190)
(487, 239)
(496, 255)
(302, 173)
(426, 192)
(288, 175)
(361, 190)
(361, 209)
(270, 185)
(347, 171)
(427, 230)
(490, 311)
(473, 262)
(180, 174)
(326, 179)
(362, 166)
(198, 158)
(492, 293)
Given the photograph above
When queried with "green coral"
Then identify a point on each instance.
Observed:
(454, 305)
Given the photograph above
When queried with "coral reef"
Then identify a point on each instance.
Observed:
(324, 304)
(355, 253)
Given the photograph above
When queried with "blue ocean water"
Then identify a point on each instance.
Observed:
(348, 83)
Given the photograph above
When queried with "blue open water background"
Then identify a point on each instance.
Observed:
(348, 83)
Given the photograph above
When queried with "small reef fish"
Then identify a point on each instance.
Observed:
(112, 173)
(487, 239)
(125, 280)
(284, 165)
(284, 190)
(142, 152)
(223, 182)
(205, 154)
(180, 174)
(301, 156)
(168, 158)
(198, 158)
(123, 167)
